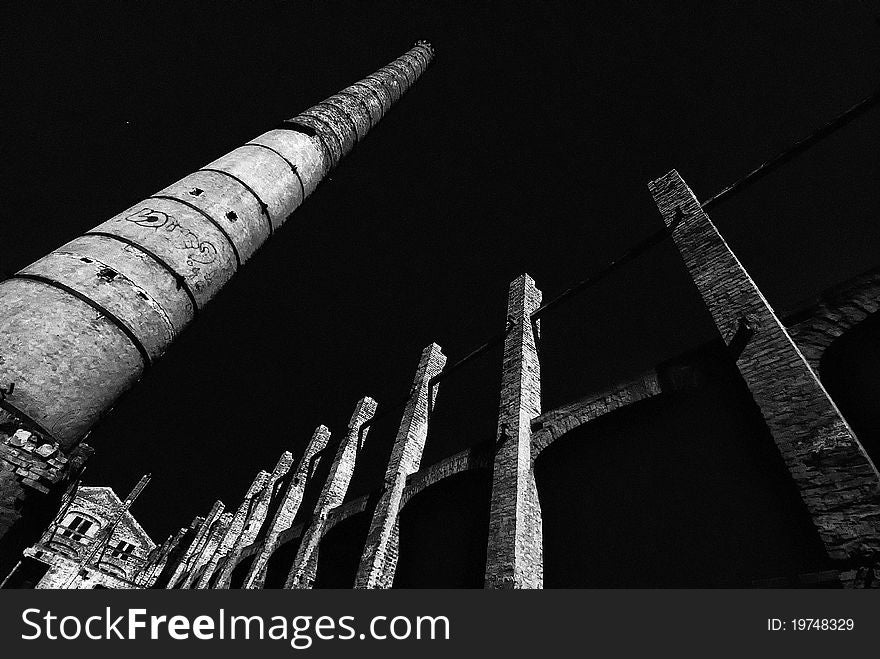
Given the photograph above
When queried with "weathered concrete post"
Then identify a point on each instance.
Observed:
(379, 559)
(286, 513)
(187, 562)
(837, 480)
(170, 564)
(157, 561)
(515, 555)
(233, 531)
(80, 326)
(305, 565)
(213, 540)
(256, 515)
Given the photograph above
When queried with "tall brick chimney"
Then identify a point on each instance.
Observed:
(80, 326)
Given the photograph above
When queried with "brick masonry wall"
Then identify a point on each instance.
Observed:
(32, 465)
(302, 573)
(379, 559)
(65, 573)
(837, 481)
(515, 552)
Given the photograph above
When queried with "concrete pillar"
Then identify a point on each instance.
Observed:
(286, 513)
(234, 530)
(254, 521)
(515, 553)
(837, 481)
(161, 576)
(158, 558)
(305, 565)
(80, 326)
(187, 561)
(212, 542)
(379, 559)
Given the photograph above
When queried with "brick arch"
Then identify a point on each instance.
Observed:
(636, 496)
(442, 532)
(477, 457)
(836, 312)
(347, 510)
(281, 559)
(555, 424)
(242, 562)
(342, 543)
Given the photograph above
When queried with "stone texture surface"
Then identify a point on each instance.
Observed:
(256, 515)
(68, 362)
(228, 202)
(200, 573)
(379, 558)
(837, 481)
(345, 118)
(288, 509)
(515, 552)
(302, 573)
(32, 464)
(232, 533)
(188, 561)
(90, 544)
(158, 559)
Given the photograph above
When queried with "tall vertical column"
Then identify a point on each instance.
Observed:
(80, 326)
(187, 562)
(212, 541)
(256, 516)
(233, 531)
(161, 576)
(305, 565)
(379, 559)
(283, 518)
(158, 559)
(515, 555)
(837, 481)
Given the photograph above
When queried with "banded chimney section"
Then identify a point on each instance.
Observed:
(305, 565)
(283, 519)
(837, 480)
(379, 559)
(515, 553)
(79, 327)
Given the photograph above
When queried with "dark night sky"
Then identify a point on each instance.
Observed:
(527, 146)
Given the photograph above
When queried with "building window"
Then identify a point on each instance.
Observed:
(77, 528)
(122, 550)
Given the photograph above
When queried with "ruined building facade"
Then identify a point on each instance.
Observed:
(93, 542)
(799, 497)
